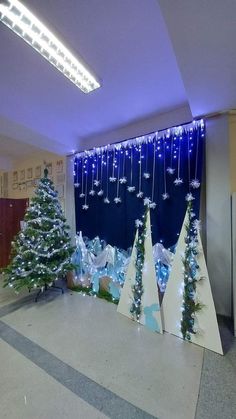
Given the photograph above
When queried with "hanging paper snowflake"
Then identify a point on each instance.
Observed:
(189, 197)
(195, 183)
(147, 202)
(85, 207)
(92, 192)
(165, 196)
(178, 181)
(138, 223)
(123, 180)
(82, 195)
(100, 193)
(130, 188)
(117, 200)
(96, 182)
(112, 179)
(139, 194)
(76, 185)
(146, 175)
(106, 200)
(152, 205)
(170, 170)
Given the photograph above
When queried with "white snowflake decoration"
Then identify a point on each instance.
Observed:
(82, 195)
(112, 179)
(197, 225)
(189, 197)
(96, 182)
(117, 199)
(195, 183)
(152, 205)
(100, 193)
(85, 207)
(170, 170)
(131, 188)
(76, 185)
(123, 180)
(92, 192)
(106, 200)
(165, 196)
(178, 181)
(138, 223)
(146, 175)
(139, 194)
(147, 202)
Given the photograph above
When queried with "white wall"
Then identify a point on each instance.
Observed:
(141, 127)
(218, 212)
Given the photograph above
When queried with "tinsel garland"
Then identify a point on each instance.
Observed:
(137, 289)
(191, 276)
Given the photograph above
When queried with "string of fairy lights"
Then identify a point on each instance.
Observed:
(135, 166)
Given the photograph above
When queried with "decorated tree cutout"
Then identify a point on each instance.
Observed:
(42, 250)
(188, 307)
(139, 297)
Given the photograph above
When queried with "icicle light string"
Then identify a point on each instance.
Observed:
(189, 168)
(106, 199)
(195, 182)
(96, 182)
(165, 195)
(178, 181)
(82, 179)
(92, 191)
(100, 192)
(174, 131)
(140, 193)
(146, 174)
(112, 177)
(153, 204)
(85, 206)
(77, 173)
(117, 199)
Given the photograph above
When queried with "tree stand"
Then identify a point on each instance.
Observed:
(46, 288)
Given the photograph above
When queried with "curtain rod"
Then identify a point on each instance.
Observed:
(93, 149)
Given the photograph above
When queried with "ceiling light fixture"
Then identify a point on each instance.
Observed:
(21, 21)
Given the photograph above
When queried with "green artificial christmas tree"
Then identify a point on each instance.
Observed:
(42, 250)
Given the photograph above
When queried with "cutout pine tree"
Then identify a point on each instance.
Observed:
(139, 297)
(188, 306)
(42, 250)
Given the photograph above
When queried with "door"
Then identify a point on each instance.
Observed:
(12, 211)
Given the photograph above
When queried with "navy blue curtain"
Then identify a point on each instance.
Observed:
(165, 166)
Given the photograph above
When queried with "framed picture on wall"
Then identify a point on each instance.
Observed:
(29, 184)
(38, 171)
(29, 173)
(59, 166)
(15, 176)
(22, 186)
(22, 174)
(14, 186)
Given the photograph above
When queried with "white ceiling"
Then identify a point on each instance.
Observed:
(151, 56)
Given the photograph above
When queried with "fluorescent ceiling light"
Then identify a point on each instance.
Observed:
(21, 21)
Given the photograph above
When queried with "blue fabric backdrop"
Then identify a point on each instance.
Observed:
(179, 148)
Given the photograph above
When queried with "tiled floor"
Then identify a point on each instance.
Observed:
(73, 356)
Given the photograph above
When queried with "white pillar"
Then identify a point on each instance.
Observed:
(70, 198)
